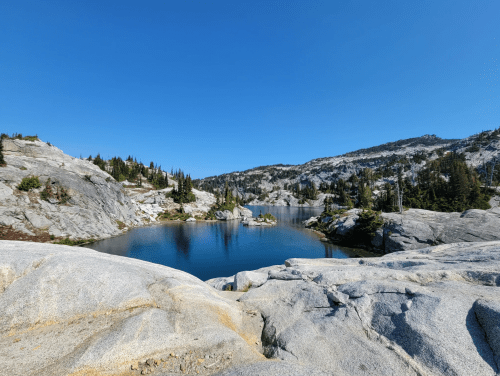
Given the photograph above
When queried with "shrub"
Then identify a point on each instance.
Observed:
(366, 225)
(29, 183)
(268, 216)
(60, 194)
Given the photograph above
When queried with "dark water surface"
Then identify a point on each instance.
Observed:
(220, 249)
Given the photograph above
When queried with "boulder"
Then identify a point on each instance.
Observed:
(246, 279)
(66, 310)
(225, 215)
(238, 212)
(310, 221)
(222, 283)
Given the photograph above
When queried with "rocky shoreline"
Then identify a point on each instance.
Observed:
(98, 207)
(433, 311)
(414, 229)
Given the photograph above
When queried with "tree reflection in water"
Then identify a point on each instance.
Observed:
(216, 249)
(229, 234)
(181, 235)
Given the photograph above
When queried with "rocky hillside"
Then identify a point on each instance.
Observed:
(92, 204)
(271, 185)
(413, 229)
(96, 205)
(67, 311)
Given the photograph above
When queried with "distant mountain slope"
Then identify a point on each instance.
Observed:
(479, 150)
(426, 140)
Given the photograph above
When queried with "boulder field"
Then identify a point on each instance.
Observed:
(74, 311)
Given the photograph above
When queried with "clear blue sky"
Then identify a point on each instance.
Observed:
(220, 86)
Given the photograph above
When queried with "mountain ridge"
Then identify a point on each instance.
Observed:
(411, 153)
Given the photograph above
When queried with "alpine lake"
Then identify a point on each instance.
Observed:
(223, 248)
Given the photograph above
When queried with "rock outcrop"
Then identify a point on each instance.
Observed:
(416, 228)
(151, 203)
(238, 212)
(96, 205)
(434, 311)
(259, 222)
(426, 312)
(286, 198)
(67, 311)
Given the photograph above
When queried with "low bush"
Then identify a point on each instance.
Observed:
(60, 194)
(29, 183)
(268, 216)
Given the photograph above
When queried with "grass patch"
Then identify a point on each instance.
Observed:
(121, 225)
(247, 287)
(68, 241)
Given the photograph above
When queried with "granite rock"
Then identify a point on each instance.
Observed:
(66, 310)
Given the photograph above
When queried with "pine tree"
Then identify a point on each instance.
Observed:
(365, 196)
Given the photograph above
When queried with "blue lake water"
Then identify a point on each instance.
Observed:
(220, 249)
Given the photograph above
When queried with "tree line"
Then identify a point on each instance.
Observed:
(445, 184)
(132, 171)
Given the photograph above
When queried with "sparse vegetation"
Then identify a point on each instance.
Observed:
(19, 136)
(57, 193)
(174, 216)
(2, 160)
(268, 217)
(29, 183)
(68, 241)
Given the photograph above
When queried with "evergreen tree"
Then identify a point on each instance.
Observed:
(365, 196)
